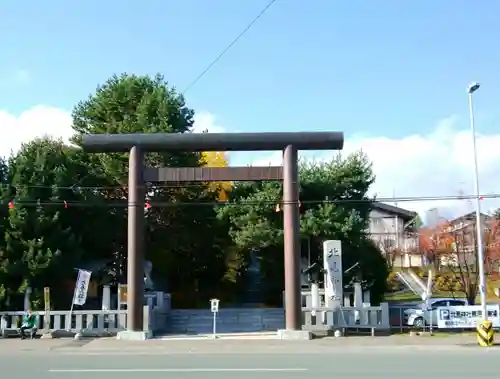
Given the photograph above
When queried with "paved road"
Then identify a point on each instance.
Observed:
(225, 359)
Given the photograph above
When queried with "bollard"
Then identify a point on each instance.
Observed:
(485, 333)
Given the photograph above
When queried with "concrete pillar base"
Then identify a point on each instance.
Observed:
(295, 335)
(338, 333)
(129, 335)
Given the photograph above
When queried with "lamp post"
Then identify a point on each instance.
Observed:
(479, 237)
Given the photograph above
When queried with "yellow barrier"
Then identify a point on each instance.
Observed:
(485, 333)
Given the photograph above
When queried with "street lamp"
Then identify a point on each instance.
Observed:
(480, 250)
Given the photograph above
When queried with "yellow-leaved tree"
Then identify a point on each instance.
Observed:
(217, 159)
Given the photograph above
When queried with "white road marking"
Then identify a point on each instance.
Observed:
(103, 370)
(346, 350)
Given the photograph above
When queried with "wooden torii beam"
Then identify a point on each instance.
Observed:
(212, 174)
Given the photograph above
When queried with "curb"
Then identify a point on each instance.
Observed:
(58, 334)
(222, 336)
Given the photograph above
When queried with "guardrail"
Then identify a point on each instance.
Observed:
(398, 318)
(368, 318)
(87, 322)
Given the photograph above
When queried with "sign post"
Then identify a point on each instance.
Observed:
(332, 261)
(214, 307)
(334, 287)
(80, 294)
(46, 301)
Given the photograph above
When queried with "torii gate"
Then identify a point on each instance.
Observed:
(138, 144)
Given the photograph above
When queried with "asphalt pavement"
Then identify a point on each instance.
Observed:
(244, 359)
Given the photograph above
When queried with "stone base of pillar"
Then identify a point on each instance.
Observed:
(295, 335)
(129, 335)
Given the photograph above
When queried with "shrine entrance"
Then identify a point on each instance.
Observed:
(139, 144)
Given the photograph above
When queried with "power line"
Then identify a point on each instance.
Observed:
(228, 47)
(78, 188)
(169, 204)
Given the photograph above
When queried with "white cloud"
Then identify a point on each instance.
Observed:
(206, 121)
(38, 121)
(433, 165)
(44, 120)
(437, 164)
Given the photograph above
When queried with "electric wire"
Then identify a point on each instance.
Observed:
(228, 47)
(64, 196)
(113, 203)
(80, 188)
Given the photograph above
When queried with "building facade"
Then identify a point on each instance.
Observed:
(463, 236)
(394, 230)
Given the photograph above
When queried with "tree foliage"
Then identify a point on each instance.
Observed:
(452, 246)
(334, 205)
(39, 239)
(63, 208)
(140, 104)
(217, 159)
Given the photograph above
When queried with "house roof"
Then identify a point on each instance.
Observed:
(469, 216)
(403, 213)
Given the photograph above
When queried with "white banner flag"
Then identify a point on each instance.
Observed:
(81, 288)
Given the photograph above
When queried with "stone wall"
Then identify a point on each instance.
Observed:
(229, 320)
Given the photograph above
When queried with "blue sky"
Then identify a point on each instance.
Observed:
(373, 69)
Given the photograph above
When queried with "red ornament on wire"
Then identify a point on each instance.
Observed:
(11, 205)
